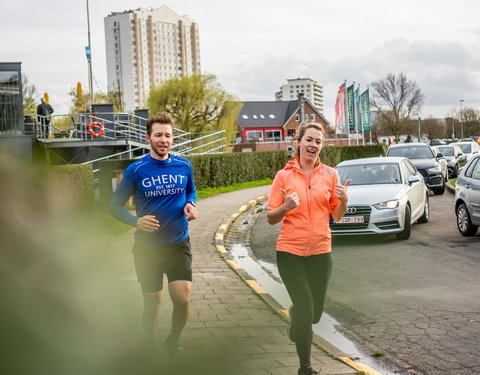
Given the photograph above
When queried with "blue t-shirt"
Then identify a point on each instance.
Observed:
(160, 188)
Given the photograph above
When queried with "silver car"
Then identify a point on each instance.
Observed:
(454, 156)
(469, 148)
(467, 197)
(386, 196)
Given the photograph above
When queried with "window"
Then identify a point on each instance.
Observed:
(262, 116)
(297, 117)
(471, 168)
(476, 171)
(252, 134)
(273, 135)
(271, 115)
(255, 117)
(312, 117)
(245, 117)
(306, 116)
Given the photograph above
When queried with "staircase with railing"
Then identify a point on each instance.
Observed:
(123, 128)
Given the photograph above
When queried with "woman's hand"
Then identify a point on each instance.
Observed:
(290, 201)
(340, 191)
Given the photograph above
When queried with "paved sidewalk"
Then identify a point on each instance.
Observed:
(229, 324)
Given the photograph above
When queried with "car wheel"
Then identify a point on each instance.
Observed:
(426, 211)
(440, 190)
(405, 233)
(455, 171)
(464, 223)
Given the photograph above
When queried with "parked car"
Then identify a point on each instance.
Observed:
(469, 148)
(386, 196)
(432, 166)
(455, 157)
(467, 197)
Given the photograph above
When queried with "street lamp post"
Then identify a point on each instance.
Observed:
(89, 59)
(461, 118)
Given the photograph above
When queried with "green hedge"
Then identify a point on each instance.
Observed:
(78, 180)
(208, 170)
(332, 155)
(232, 168)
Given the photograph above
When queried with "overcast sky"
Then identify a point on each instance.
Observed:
(253, 46)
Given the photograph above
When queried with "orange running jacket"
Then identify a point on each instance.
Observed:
(305, 229)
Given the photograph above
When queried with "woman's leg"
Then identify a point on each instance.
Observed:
(293, 272)
(319, 270)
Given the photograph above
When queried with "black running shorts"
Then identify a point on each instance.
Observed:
(151, 262)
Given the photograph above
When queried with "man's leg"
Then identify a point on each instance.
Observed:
(180, 291)
(152, 303)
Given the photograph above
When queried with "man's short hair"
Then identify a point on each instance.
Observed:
(160, 118)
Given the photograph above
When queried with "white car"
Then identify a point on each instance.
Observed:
(469, 148)
(386, 196)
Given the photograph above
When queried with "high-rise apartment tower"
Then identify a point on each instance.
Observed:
(311, 90)
(147, 47)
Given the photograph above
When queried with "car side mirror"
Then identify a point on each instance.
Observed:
(440, 155)
(412, 179)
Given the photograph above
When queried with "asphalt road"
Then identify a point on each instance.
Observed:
(417, 301)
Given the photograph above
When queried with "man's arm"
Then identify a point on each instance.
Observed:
(190, 209)
(125, 189)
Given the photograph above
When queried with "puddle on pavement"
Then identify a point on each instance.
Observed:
(266, 275)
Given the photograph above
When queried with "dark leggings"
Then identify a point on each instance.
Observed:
(306, 280)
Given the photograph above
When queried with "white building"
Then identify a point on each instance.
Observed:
(147, 47)
(310, 89)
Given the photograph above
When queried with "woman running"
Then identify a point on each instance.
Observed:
(303, 196)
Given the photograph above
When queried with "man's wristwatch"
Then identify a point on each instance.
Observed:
(192, 203)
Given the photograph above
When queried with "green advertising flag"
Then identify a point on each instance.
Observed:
(350, 108)
(365, 104)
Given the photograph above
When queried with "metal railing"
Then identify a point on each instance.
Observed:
(118, 127)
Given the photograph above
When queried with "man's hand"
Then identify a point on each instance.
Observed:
(148, 224)
(290, 201)
(190, 211)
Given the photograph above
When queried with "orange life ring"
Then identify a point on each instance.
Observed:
(99, 124)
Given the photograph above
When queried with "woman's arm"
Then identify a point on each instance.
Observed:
(340, 192)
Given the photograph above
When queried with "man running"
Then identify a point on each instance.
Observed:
(165, 198)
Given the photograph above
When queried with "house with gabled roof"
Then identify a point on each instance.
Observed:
(274, 122)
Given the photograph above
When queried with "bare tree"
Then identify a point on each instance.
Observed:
(433, 128)
(397, 100)
(469, 118)
(29, 92)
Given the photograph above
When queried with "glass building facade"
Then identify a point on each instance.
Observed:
(11, 100)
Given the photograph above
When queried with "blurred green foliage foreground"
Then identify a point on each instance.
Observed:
(64, 307)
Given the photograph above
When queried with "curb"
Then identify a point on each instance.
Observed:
(318, 341)
(449, 187)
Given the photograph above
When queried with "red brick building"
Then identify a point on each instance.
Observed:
(263, 126)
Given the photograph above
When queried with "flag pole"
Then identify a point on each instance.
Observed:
(346, 112)
(361, 117)
(354, 116)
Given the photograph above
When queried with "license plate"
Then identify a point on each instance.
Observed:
(351, 219)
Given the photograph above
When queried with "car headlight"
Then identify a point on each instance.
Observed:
(434, 170)
(387, 204)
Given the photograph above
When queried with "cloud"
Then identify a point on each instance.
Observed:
(446, 71)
